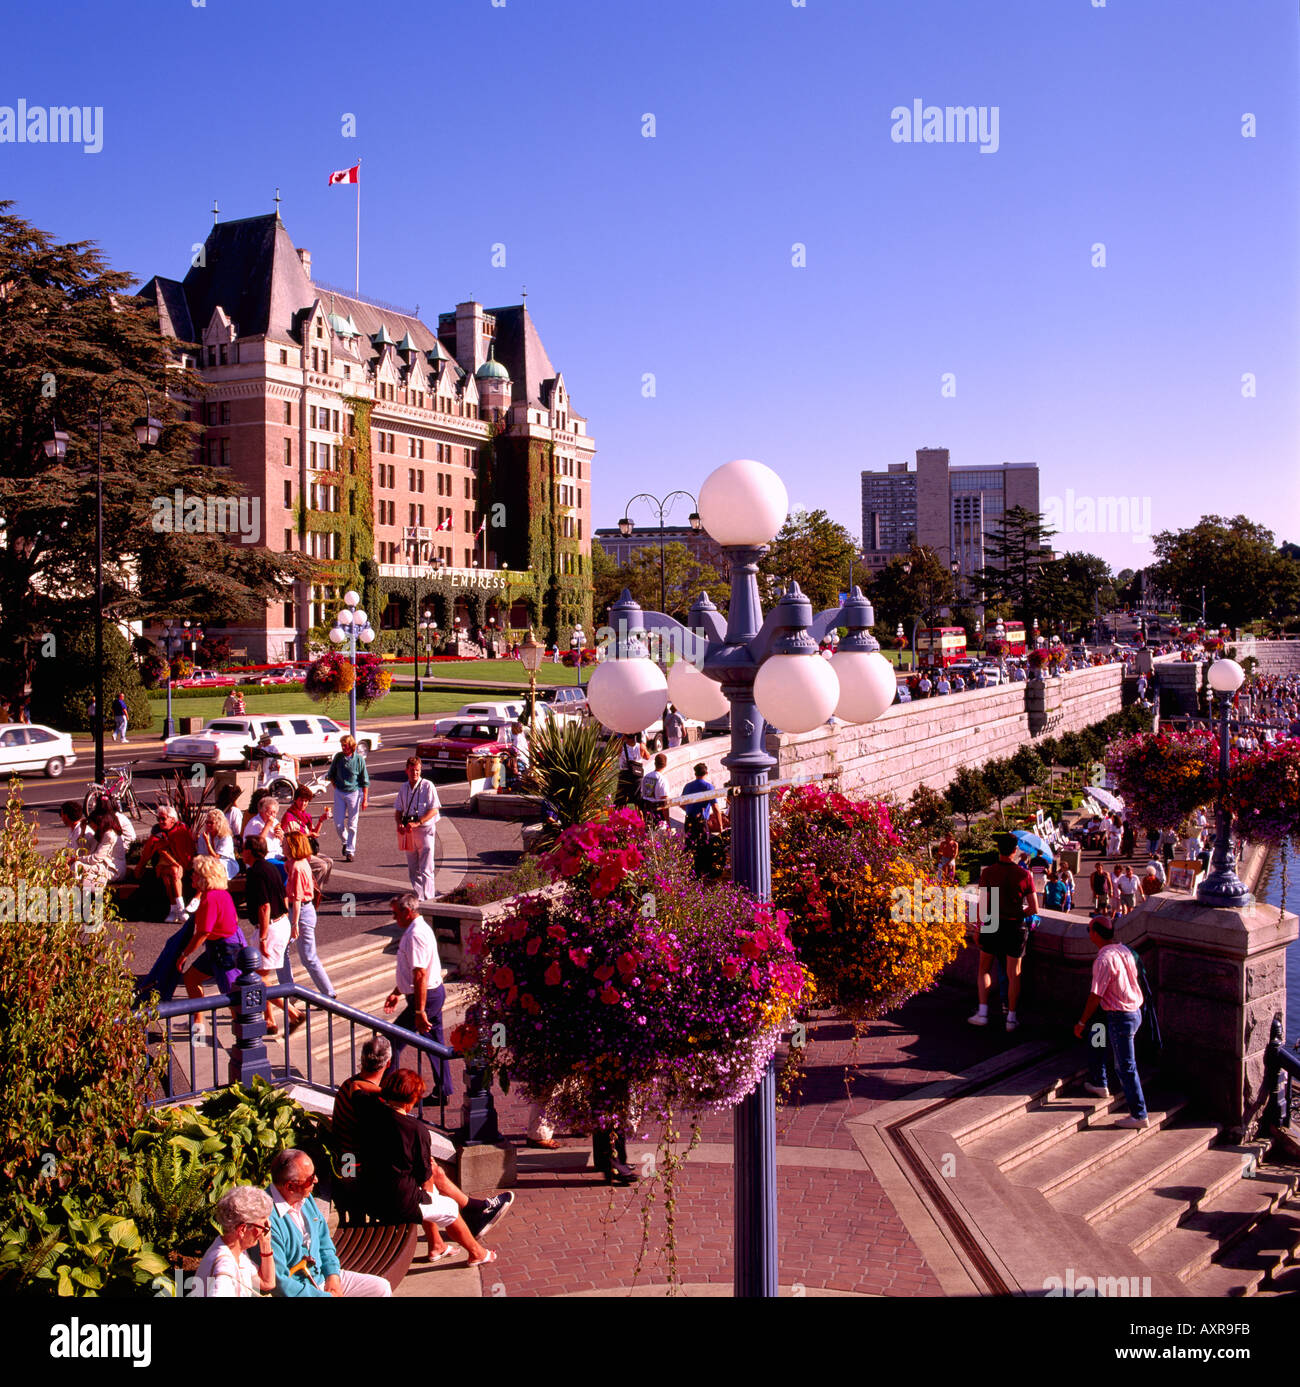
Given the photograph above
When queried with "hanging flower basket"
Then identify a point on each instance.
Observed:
(328, 677)
(872, 926)
(571, 660)
(637, 989)
(1265, 794)
(373, 681)
(1164, 777)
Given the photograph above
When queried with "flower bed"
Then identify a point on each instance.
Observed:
(1265, 794)
(1164, 777)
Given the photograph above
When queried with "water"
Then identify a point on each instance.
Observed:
(1269, 890)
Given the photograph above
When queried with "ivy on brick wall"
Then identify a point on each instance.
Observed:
(354, 522)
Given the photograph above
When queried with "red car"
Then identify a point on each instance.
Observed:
(479, 737)
(205, 679)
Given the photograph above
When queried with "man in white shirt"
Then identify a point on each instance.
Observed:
(419, 981)
(517, 740)
(654, 794)
(266, 822)
(943, 686)
(418, 809)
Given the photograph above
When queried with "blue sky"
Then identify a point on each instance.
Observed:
(522, 124)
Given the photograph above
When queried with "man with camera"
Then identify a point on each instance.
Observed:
(416, 813)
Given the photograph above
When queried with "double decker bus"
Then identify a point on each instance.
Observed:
(1015, 632)
(940, 645)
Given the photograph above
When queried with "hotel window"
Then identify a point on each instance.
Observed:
(214, 452)
(284, 357)
(419, 448)
(468, 563)
(288, 412)
(469, 520)
(320, 332)
(579, 529)
(420, 521)
(288, 540)
(311, 417)
(223, 354)
(336, 421)
(411, 519)
(347, 373)
(338, 457)
(351, 420)
(288, 614)
(467, 488)
(288, 452)
(311, 454)
(288, 495)
(420, 479)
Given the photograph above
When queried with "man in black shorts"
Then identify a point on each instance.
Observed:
(1011, 899)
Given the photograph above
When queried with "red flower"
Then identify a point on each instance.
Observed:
(532, 946)
(553, 975)
(604, 972)
(626, 964)
(610, 995)
(465, 1038)
(579, 957)
(730, 968)
(530, 1003)
(557, 932)
(503, 978)
(511, 995)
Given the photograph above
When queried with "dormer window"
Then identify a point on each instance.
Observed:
(320, 331)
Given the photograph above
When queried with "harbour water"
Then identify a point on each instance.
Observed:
(1269, 890)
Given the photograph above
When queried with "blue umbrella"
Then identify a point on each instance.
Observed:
(1033, 844)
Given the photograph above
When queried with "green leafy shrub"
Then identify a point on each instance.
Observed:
(527, 875)
(62, 687)
(67, 1252)
(574, 768)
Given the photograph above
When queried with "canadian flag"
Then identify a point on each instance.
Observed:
(352, 175)
(482, 526)
(444, 524)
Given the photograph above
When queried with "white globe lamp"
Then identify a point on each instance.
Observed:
(868, 684)
(694, 694)
(351, 598)
(796, 693)
(1226, 676)
(627, 695)
(743, 502)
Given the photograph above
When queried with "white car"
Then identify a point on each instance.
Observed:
(33, 747)
(308, 736)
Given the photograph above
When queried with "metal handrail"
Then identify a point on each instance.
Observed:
(1281, 1069)
(284, 993)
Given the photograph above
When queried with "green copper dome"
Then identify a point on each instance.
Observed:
(492, 369)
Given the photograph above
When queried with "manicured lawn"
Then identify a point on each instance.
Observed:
(502, 672)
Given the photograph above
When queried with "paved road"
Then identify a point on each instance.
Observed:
(468, 846)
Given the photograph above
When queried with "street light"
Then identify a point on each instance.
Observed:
(148, 431)
(625, 528)
(1222, 886)
(429, 628)
(530, 654)
(768, 670)
(169, 630)
(577, 643)
(352, 625)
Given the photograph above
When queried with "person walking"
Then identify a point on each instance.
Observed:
(121, 716)
(1103, 889)
(1126, 883)
(419, 982)
(654, 794)
(631, 758)
(674, 727)
(1117, 994)
(232, 705)
(416, 812)
(300, 895)
(351, 781)
(1011, 903)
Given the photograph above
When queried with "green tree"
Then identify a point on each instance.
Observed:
(1003, 781)
(1029, 767)
(928, 815)
(608, 580)
(968, 794)
(1016, 552)
(816, 552)
(1245, 575)
(63, 683)
(912, 588)
(69, 328)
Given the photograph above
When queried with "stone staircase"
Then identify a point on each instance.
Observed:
(1049, 1197)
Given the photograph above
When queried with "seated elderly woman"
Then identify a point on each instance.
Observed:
(244, 1214)
(400, 1182)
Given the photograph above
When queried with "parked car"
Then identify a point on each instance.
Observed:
(470, 737)
(510, 710)
(288, 674)
(34, 747)
(307, 736)
(568, 699)
(205, 679)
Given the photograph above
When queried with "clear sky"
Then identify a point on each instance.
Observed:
(522, 124)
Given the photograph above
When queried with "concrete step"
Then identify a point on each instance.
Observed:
(1133, 1172)
(1086, 1151)
(1137, 1224)
(1028, 1134)
(1212, 1231)
(1248, 1266)
(967, 1119)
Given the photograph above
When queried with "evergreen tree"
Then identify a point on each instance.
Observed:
(1015, 553)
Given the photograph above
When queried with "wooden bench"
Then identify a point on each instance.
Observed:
(379, 1249)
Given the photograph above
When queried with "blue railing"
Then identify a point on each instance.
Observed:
(250, 1055)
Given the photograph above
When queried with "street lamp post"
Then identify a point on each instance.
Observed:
(625, 528)
(768, 670)
(352, 625)
(428, 630)
(1222, 886)
(530, 654)
(578, 643)
(169, 723)
(147, 433)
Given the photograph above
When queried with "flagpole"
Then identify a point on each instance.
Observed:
(357, 289)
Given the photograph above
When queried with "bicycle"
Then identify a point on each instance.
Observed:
(116, 789)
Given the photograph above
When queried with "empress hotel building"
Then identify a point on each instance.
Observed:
(283, 361)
